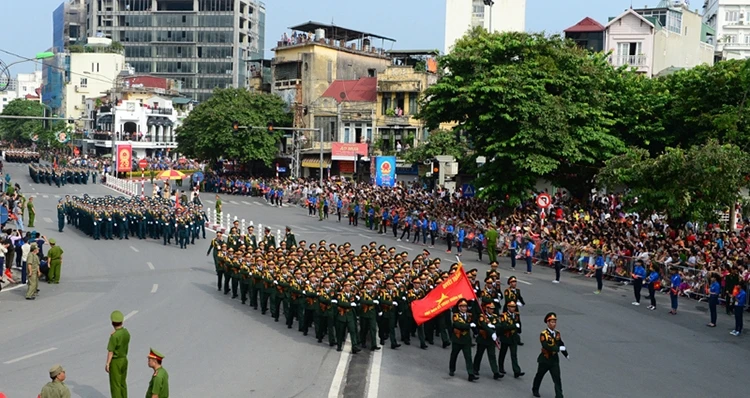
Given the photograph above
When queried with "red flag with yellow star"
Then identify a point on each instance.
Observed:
(443, 297)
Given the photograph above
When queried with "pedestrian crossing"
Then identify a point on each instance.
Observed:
(48, 220)
(48, 196)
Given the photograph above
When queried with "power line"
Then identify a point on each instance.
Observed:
(40, 62)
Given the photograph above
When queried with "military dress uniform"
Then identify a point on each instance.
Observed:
(345, 318)
(461, 336)
(486, 340)
(549, 360)
(510, 326)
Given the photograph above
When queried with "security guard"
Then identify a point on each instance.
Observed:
(549, 360)
(117, 357)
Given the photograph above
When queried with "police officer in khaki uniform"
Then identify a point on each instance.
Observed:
(55, 388)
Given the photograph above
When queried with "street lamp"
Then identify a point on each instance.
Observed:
(490, 3)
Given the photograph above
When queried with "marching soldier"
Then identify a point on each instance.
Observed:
(215, 247)
(268, 238)
(510, 327)
(389, 306)
(549, 360)
(289, 238)
(513, 293)
(368, 305)
(324, 321)
(462, 325)
(486, 340)
(346, 302)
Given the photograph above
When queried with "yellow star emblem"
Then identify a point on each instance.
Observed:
(442, 298)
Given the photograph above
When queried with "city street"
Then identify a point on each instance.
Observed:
(216, 347)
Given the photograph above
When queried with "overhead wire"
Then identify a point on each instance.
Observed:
(41, 63)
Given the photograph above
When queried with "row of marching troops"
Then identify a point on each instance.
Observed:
(155, 218)
(367, 296)
(14, 156)
(60, 176)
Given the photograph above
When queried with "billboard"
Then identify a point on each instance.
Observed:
(385, 171)
(342, 151)
(124, 158)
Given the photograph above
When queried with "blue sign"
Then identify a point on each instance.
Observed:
(385, 171)
(468, 191)
(198, 176)
(281, 169)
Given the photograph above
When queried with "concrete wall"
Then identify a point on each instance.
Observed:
(682, 50)
(101, 70)
(507, 16)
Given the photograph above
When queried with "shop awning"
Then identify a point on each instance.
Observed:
(106, 119)
(314, 162)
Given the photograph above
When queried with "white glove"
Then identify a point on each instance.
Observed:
(473, 325)
(376, 301)
(491, 326)
(494, 336)
(395, 303)
(518, 326)
(354, 304)
(275, 282)
(357, 297)
(334, 301)
(520, 305)
(496, 300)
(304, 292)
(562, 348)
(403, 298)
(380, 314)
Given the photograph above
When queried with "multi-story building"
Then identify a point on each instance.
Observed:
(24, 86)
(730, 20)
(588, 34)
(493, 15)
(68, 24)
(400, 89)
(205, 44)
(658, 40)
(145, 114)
(310, 59)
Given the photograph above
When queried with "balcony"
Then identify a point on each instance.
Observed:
(160, 111)
(629, 60)
(396, 120)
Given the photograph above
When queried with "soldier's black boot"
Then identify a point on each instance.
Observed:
(472, 377)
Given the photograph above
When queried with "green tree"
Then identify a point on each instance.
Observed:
(439, 142)
(21, 130)
(207, 132)
(534, 105)
(685, 184)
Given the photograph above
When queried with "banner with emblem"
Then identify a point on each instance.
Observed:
(124, 158)
(443, 297)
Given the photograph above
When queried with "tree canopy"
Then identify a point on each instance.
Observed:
(207, 132)
(535, 106)
(439, 142)
(21, 131)
(685, 184)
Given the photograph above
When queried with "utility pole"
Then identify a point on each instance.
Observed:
(490, 3)
(299, 122)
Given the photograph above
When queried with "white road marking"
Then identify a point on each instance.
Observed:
(154, 288)
(33, 189)
(57, 196)
(76, 190)
(7, 289)
(298, 228)
(45, 196)
(331, 228)
(233, 202)
(246, 202)
(30, 356)
(364, 236)
(374, 378)
(258, 203)
(524, 282)
(150, 266)
(405, 247)
(134, 249)
(47, 219)
(130, 314)
(210, 201)
(338, 376)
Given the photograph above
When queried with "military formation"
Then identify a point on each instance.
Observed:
(60, 176)
(336, 291)
(16, 156)
(119, 217)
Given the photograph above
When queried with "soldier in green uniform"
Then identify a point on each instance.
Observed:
(389, 307)
(414, 294)
(289, 238)
(324, 320)
(296, 301)
(244, 276)
(215, 247)
(310, 300)
(250, 242)
(461, 336)
(60, 216)
(510, 325)
(117, 357)
(256, 283)
(369, 305)
(486, 340)
(33, 273)
(32, 212)
(218, 210)
(55, 388)
(55, 259)
(269, 239)
(549, 360)
(158, 387)
(346, 302)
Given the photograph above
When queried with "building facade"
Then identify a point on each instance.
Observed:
(68, 24)
(730, 20)
(24, 86)
(205, 44)
(587, 34)
(501, 16)
(658, 40)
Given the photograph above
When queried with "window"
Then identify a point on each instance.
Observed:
(371, 72)
(747, 39)
(730, 39)
(84, 83)
(732, 16)
(347, 132)
(97, 67)
(24, 89)
(386, 103)
(368, 137)
(413, 103)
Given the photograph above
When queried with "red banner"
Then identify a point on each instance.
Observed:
(124, 158)
(342, 151)
(443, 297)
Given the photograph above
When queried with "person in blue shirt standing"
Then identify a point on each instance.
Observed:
(529, 254)
(394, 224)
(740, 299)
(599, 271)
(355, 218)
(651, 281)
(384, 221)
(674, 289)
(433, 231)
(460, 239)
(639, 273)
(417, 228)
(713, 298)
(479, 243)
(371, 218)
(425, 227)
(406, 229)
(339, 205)
(513, 250)
(558, 263)
(449, 237)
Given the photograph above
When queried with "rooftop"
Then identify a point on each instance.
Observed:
(337, 32)
(362, 90)
(586, 25)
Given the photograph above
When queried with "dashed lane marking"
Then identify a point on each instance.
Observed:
(340, 373)
(154, 288)
(245, 202)
(150, 266)
(298, 228)
(524, 282)
(130, 314)
(47, 219)
(45, 196)
(405, 247)
(134, 249)
(19, 359)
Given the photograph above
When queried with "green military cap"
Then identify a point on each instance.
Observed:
(155, 354)
(117, 316)
(55, 371)
(52, 241)
(34, 246)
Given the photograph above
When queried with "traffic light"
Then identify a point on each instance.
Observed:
(270, 127)
(435, 168)
(236, 126)
(71, 121)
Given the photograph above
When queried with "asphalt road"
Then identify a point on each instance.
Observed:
(213, 344)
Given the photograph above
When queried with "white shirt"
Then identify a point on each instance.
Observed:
(25, 250)
(3, 250)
